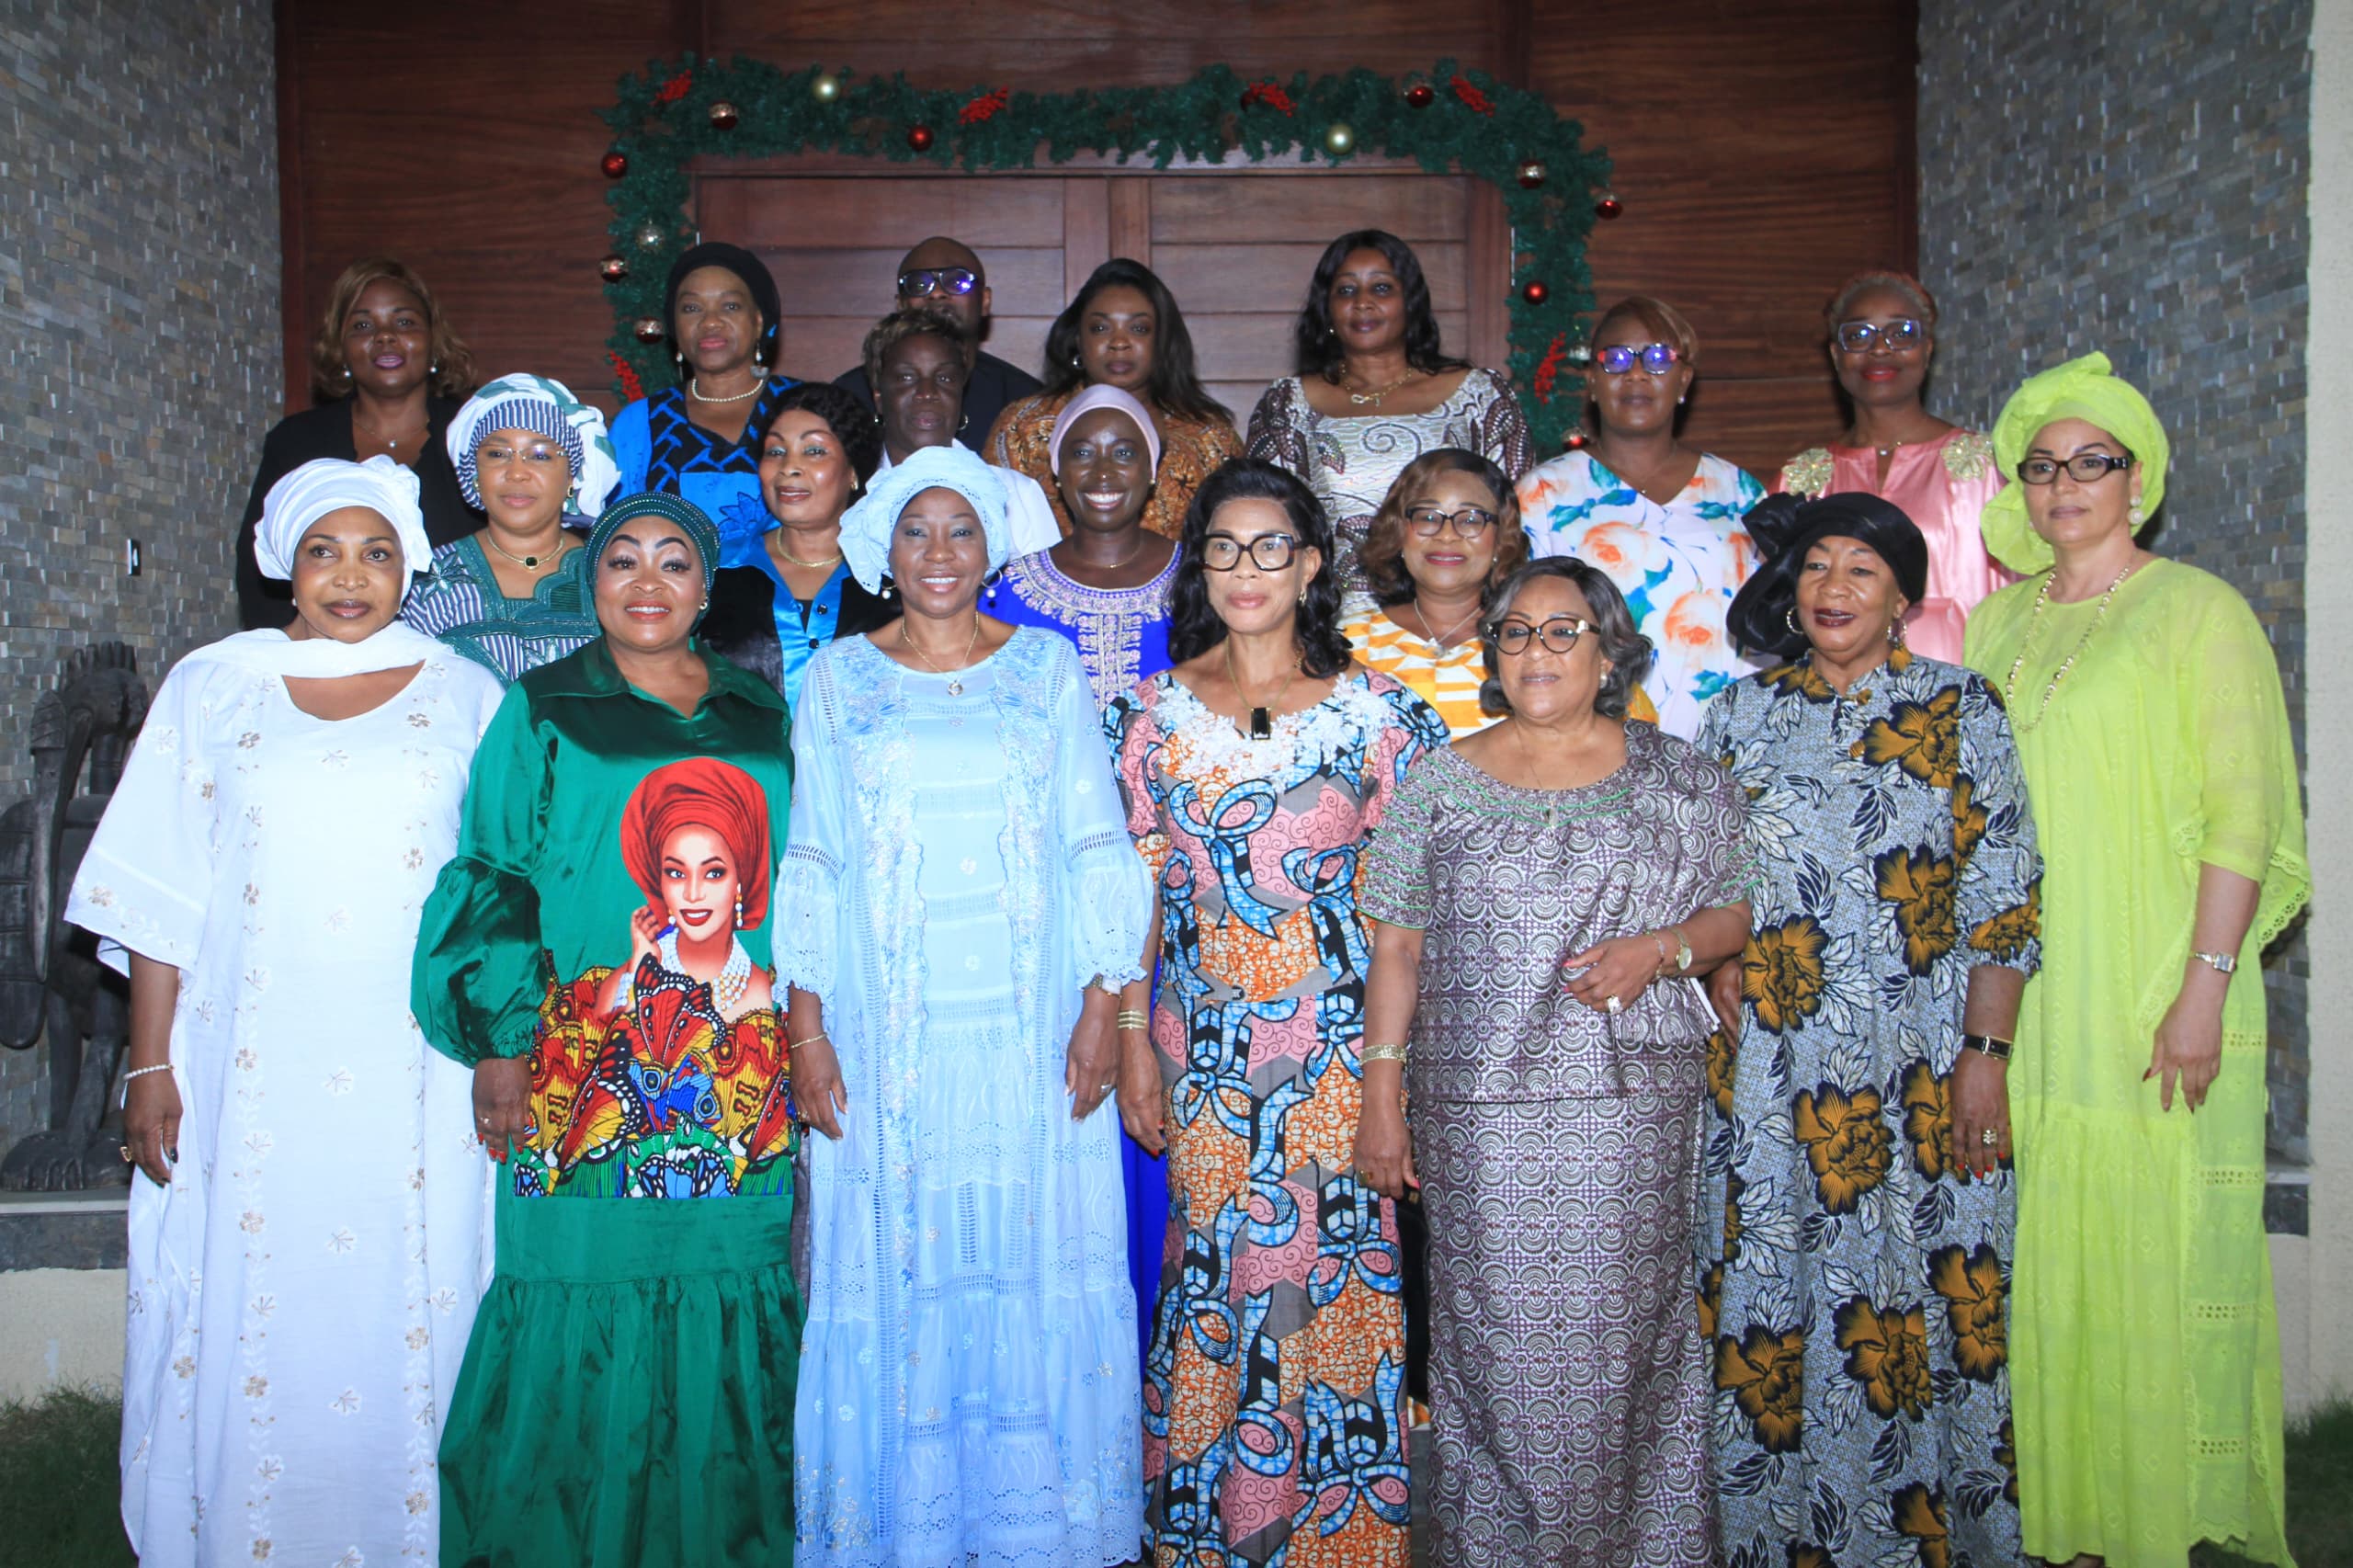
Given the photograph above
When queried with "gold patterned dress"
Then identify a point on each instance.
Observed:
(1190, 449)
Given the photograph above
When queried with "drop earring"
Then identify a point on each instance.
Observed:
(1790, 615)
(886, 586)
(739, 912)
(2137, 516)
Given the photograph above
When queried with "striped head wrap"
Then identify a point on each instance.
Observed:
(544, 407)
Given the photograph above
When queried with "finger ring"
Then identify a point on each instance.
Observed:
(1989, 1138)
(1108, 1088)
(1615, 1006)
(126, 1155)
(1363, 1175)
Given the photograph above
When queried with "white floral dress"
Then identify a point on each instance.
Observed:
(299, 1296)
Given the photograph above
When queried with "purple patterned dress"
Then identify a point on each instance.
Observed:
(1568, 1384)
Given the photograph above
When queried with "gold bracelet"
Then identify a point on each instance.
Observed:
(1389, 1050)
(797, 1044)
(1133, 1018)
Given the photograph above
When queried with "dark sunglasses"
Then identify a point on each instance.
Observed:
(925, 280)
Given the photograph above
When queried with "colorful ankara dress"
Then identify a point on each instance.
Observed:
(299, 1295)
(2145, 1352)
(461, 604)
(628, 1395)
(1350, 461)
(957, 877)
(1190, 449)
(1942, 486)
(1121, 635)
(1555, 1145)
(1854, 1290)
(659, 447)
(1273, 1393)
(1679, 565)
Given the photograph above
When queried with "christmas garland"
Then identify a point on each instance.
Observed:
(1450, 120)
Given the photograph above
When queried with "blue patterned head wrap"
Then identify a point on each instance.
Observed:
(867, 527)
(657, 504)
(544, 407)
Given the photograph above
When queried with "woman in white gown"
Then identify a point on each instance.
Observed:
(307, 1236)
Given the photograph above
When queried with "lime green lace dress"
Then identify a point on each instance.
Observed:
(2145, 1351)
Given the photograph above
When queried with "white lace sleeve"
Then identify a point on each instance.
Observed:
(1107, 899)
(806, 940)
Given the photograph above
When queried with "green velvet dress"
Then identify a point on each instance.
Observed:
(627, 1396)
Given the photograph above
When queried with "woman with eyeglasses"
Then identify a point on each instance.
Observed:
(1374, 389)
(1660, 517)
(1253, 772)
(1123, 330)
(1542, 895)
(1882, 337)
(2144, 1352)
(918, 362)
(1863, 1395)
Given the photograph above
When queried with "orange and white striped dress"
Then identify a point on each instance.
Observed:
(1445, 678)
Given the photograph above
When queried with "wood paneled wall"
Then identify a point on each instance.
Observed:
(1764, 149)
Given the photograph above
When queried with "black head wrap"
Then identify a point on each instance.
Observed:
(744, 265)
(1784, 527)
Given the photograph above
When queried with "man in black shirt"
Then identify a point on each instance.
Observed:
(944, 275)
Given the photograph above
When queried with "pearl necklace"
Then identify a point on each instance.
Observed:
(734, 976)
(694, 391)
(2034, 622)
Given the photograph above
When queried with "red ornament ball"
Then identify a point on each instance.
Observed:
(920, 138)
(1607, 208)
(723, 116)
(1531, 175)
(1576, 440)
(1421, 95)
(614, 165)
(615, 266)
(648, 329)
(1535, 291)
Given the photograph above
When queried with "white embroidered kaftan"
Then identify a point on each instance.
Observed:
(299, 1295)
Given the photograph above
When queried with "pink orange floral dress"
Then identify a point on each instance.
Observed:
(1679, 565)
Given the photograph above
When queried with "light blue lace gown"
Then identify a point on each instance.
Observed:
(958, 870)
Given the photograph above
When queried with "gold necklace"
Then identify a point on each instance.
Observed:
(955, 688)
(792, 560)
(1262, 722)
(530, 563)
(1376, 393)
(2034, 622)
(391, 443)
(1428, 625)
(694, 391)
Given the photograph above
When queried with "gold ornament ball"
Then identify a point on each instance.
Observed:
(825, 87)
(651, 235)
(723, 116)
(1340, 137)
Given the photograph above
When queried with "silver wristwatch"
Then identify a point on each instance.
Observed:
(2225, 963)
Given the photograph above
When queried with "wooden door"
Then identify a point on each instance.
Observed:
(1236, 244)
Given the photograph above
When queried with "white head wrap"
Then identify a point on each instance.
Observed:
(546, 407)
(867, 527)
(330, 485)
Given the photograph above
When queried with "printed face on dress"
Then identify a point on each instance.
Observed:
(1847, 600)
(1105, 471)
(524, 476)
(1116, 339)
(1541, 685)
(805, 476)
(939, 255)
(387, 342)
(349, 577)
(715, 323)
(1882, 375)
(1367, 303)
(1450, 561)
(940, 554)
(1252, 599)
(922, 394)
(2070, 512)
(649, 585)
(699, 887)
(1641, 401)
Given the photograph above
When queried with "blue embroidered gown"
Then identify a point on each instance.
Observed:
(958, 870)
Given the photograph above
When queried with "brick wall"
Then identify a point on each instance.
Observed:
(2130, 175)
(139, 339)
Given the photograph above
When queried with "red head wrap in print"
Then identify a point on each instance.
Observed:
(701, 792)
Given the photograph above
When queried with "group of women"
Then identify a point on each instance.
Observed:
(1745, 1007)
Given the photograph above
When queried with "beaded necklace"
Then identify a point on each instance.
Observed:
(2034, 623)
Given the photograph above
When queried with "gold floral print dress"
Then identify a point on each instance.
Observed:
(1854, 1302)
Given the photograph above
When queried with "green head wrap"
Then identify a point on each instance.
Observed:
(657, 503)
(2080, 389)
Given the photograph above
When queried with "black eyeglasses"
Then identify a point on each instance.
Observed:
(936, 280)
(1856, 337)
(1470, 522)
(1269, 552)
(2083, 467)
(1560, 634)
(1658, 358)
